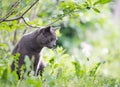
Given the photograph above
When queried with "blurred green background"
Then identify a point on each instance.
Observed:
(87, 52)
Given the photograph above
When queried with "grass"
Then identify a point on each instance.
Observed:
(62, 70)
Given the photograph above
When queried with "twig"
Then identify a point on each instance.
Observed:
(29, 7)
(29, 24)
(25, 30)
(21, 16)
(9, 12)
(62, 17)
(14, 37)
(17, 18)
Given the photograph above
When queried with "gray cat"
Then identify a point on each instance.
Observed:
(31, 45)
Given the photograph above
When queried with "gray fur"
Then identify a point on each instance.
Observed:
(31, 45)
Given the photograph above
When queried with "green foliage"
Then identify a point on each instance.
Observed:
(78, 70)
(88, 50)
(60, 73)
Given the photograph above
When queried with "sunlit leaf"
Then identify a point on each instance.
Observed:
(90, 2)
(96, 10)
(52, 60)
(102, 2)
(5, 74)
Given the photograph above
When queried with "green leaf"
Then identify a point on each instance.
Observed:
(102, 2)
(95, 3)
(5, 74)
(77, 68)
(14, 76)
(56, 65)
(94, 69)
(96, 10)
(90, 2)
(52, 60)
(3, 45)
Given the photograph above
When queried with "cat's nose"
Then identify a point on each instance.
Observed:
(54, 45)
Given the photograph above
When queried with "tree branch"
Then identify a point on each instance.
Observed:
(20, 17)
(9, 12)
(17, 18)
(12, 9)
(70, 12)
(29, 24)
(5, 19)
(29, 7)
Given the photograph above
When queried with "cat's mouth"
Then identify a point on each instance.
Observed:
(52, 47)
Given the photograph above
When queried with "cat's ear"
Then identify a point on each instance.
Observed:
(55, 28)
(47, 29)
(44, 29)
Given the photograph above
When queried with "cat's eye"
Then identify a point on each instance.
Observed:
(51, 39)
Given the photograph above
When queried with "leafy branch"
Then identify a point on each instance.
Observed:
(61, 16)
(9, 12)
(29, 24)
(5, 19)
(65, 7)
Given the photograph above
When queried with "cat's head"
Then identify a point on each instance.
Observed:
(47, 37)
